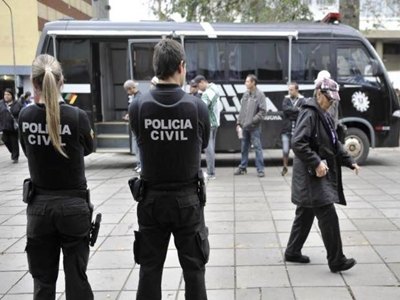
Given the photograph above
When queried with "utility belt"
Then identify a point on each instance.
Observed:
(29, 191)
(139, 186)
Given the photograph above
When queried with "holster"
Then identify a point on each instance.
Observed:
(201, 188)
(136, 185)
(95, 225)
(28, 191)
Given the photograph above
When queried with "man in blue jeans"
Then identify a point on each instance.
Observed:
(252, 112)
(210, 96)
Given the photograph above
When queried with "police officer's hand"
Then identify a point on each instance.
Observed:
(356, 168)
(321, 170)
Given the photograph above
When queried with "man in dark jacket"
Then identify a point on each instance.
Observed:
(317, 179)
(252, 112)
(9, 112)
(290, 106)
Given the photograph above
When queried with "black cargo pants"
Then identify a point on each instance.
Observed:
(328, 223)
(161, 213)
(55, 223)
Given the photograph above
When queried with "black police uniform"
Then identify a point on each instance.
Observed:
(172, 128)
(59, 215)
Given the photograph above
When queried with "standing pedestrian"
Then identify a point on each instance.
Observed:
(131, 88)
(251, 115)
(55, 137)
(25, 99)
(194, 89)
(172, 128)
(317, 179)
(210, 97)
(290, 106)
(9, 113)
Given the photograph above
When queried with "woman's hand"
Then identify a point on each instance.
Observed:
(356, 168)
(321, 170)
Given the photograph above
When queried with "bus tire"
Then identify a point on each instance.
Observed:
(357, 144)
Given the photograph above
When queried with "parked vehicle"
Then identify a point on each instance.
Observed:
(98, 56)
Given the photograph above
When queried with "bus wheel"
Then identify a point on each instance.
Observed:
(357, 144)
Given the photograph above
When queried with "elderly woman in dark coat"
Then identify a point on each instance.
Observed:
(317, 179)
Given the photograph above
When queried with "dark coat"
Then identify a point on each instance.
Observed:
(290, 112)
(6, 119)
(312, 142)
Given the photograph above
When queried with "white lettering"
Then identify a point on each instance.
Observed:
(154, 135)
(168, 129)
(25, 126)
(170, 135)
(175, 124)
(147, 123)
(31, 139)
(66, 130)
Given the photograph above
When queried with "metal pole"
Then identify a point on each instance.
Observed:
(13, 45)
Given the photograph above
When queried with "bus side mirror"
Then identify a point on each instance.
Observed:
(376, 68)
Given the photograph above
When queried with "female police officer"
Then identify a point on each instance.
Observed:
(55, 137)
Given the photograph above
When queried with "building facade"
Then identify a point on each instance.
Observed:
(21, 23)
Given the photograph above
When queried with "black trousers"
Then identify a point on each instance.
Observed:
(328, 223)
(161, 213)
(56, 223)
(10, 139)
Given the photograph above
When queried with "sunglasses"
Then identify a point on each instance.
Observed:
(330, 99)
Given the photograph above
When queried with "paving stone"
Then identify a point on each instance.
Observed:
(370, 275)
(317, 293)
(256, 240)
(258, 257)
(376, 292)
(261, 276)
(374, 224)
(276, 294)
(254, 226)
(390, 254)
(308, 275)
(383, 237)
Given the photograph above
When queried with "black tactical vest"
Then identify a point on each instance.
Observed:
(168, 139)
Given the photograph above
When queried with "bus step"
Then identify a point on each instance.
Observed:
(107, 140)
(112, 128)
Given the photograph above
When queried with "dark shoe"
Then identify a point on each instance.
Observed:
(240, 171)
(347, 264)
(260, 174)
(15, 161)
(284, 171)
(298, 259)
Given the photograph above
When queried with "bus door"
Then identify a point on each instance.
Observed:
(365, 103)
(141, 61)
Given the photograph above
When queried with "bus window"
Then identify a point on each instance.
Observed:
(262, 59)
(206, 58)
(308, 59)
(142, 61)
(241, 60)
(355, 66)
(76, 59)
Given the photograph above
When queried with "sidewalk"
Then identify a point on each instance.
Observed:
(249, 220)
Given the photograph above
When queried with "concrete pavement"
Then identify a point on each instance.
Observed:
(249, 220)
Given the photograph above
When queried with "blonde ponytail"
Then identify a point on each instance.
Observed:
(47, 77)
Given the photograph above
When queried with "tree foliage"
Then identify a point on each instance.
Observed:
(232, 10)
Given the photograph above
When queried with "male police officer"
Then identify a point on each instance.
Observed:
(172, 128)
